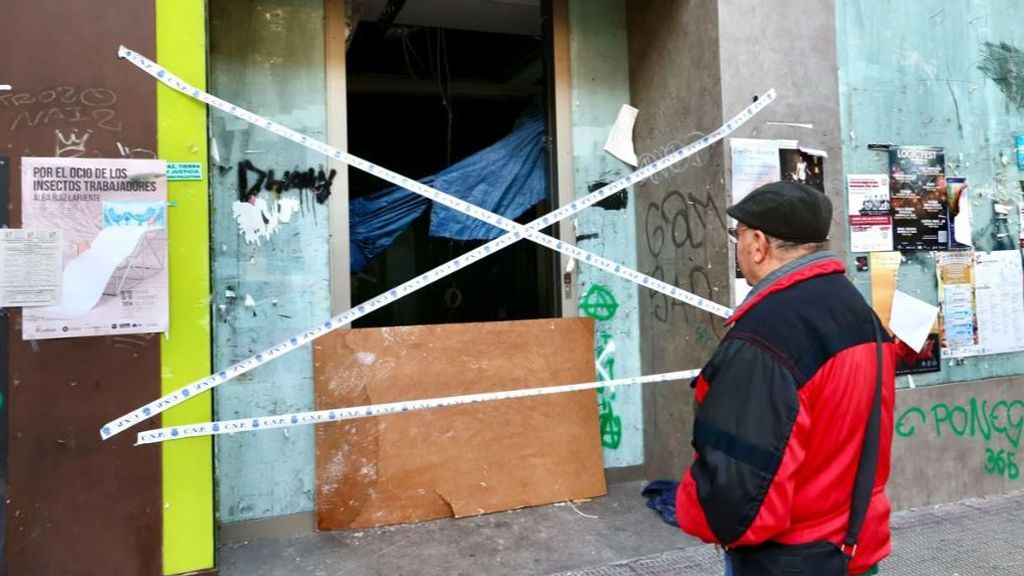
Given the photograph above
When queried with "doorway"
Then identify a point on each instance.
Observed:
(432, 86)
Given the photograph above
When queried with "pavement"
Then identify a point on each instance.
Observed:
(616, 536)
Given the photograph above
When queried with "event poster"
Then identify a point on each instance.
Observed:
(957, 309)
(870, 212)
(113, 216)
(917, 192)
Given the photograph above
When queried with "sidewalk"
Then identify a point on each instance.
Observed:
(969, 538)
(616, 536)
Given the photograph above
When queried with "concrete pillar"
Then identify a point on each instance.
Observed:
(692, 63)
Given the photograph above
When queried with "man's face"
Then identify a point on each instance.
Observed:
(750, 252)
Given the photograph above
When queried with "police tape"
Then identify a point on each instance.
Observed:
(338, 414)
(518, 231)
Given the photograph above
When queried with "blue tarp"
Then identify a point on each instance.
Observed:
(507, 178)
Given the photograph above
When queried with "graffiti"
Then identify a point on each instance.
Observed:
(72, 145)
(699, 159)
(316, 181)
(92, 106)
(1002, 420)
(617, 201)
(678, 227)
(599, 303)
(1001, 463)
(129, 152)
(257, 220)
(610, 423)
(1004, 64)
(683, 220)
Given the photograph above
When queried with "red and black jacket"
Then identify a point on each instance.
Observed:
(781, 412)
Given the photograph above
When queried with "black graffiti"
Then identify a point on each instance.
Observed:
(617, 201)
(317, 181)
(682, 219)
(682, 222)
(698, 282)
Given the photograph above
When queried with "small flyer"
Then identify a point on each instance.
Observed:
(870, 213)
(30, 267)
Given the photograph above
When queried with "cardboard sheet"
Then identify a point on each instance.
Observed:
(459, 461)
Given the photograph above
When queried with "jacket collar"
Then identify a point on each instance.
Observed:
(792, 273)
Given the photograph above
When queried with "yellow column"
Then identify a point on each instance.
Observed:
(188, 527)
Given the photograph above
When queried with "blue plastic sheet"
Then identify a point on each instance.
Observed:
(507, 178)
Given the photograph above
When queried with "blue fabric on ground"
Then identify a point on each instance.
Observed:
(661, 497)
(507, 178)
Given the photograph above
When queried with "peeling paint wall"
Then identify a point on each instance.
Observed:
(267, 56)
(920, 82)
(600, 85)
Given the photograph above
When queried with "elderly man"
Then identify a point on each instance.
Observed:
(799, 389)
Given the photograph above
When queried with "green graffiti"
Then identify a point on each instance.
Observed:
(1003, 418)
(1001, 463)
(611, 424)
(599, 303)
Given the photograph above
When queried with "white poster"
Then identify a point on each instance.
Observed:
(998, 304)
(870, 213)
(999, 292)
(113, 215)
(755, 163)
(30, 267)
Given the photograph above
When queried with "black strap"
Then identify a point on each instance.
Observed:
(864, 482)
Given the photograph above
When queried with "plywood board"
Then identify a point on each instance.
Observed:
(463, 460)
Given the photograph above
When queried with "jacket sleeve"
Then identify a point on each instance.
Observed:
(749, 434)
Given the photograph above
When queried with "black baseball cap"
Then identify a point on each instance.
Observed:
(789, 211)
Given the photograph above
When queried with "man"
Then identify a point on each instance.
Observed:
(783, 405)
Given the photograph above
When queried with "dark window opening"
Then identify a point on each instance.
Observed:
(421, 98)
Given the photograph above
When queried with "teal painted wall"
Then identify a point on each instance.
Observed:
(600, 85)
(267, 56)
(908, 74)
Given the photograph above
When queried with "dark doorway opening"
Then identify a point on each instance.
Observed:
(424, 92)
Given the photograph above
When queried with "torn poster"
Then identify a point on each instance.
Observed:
(917, 190)
(803, 165)
(113, 215)
(257, 220)
(884, 267)
(912, 319)
(754, 163)
(959, 327)
(1020, 219)
(998, 299)
(30, 267)
(959, 214)
(870, 213)
(620, 139)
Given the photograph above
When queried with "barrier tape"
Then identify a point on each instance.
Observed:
(338, 414)
(518, 231)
